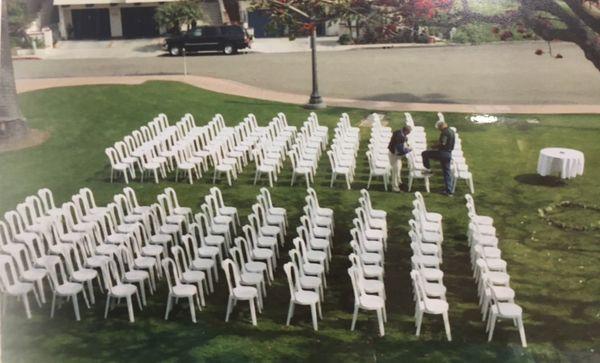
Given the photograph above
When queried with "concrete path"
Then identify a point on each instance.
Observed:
(494, 74)
(243, 90)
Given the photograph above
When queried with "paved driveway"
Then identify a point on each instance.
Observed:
(506, 73)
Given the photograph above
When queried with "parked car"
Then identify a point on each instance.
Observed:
(226, 38)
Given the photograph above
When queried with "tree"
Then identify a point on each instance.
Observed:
(575, 21)
(303, 16)
(173, 15)
(12, 122)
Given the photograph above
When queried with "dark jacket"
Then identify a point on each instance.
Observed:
(397, 143)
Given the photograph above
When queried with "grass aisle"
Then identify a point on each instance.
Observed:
(554, 272)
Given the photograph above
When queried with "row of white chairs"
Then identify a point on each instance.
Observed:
(368, 244)
(459, 167)
(417, 141)
(271, 150)
(309, 145)
(377, 153)
(496, 297)
(426, 238)
(343, 151)
(310, 258)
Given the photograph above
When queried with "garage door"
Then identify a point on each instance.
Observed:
(138, 22)
(90, 23)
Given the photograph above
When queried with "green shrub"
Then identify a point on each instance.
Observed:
(345, 39)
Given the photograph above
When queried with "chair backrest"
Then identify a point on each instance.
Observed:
(15, 222)
(352, 272)
(181, 261)
(171, 273)
(293, 279)
(232, 274)
(112, 155)
(190, 246)
(8, 273)
(47, 198)
(164, 202)
(238, 257)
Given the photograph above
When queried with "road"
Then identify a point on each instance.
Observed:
(505, 73)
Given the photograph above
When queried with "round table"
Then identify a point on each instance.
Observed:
(568, 163)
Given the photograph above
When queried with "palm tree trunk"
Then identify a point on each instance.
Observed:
(12, 122)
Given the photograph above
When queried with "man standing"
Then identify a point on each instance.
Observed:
(442, 151)
(397, 148)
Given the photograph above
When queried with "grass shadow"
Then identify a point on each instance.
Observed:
(536, 179)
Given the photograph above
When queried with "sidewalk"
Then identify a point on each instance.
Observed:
(137, 48)
(243, 90)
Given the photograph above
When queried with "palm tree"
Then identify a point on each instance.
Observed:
(12, 122)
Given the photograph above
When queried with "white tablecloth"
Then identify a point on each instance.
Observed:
(557, 160)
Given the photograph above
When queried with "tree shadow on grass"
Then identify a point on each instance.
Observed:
(536, 179)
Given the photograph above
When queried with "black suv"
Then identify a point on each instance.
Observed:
(227, 39)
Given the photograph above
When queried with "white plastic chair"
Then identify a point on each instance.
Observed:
(366, 302)
(237, 291)
(62, 287)
(116, 289)
(179, 290)
(11, 285)
(426, 305)
(300, 296)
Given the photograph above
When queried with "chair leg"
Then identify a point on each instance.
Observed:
(252, 312)
(107, 305)
(492, 324)
(290, 313)
(91, 291)
(419, 322)
(192, 308)
(522, 332)
(76, 307)
(313, 312)
(27, 308)
(169, 305)
(139, 301)
(380, 322)
(447, 326)
(130, 309)
(229, 306)
(354, 317)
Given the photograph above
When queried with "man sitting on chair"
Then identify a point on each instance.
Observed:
(442, 151)
(397, 148)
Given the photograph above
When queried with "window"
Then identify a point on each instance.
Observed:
(232, 30)
(197, 32)
(210, 32)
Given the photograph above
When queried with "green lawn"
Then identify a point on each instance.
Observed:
(554, 272)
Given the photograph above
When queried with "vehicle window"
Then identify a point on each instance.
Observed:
(210, 32)
(197, 32)
(232, 30)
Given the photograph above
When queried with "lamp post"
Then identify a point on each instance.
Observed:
(316, 101)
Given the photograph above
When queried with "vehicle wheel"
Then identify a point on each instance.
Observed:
(229, 49)
(175, 50)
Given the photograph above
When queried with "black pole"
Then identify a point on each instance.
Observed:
(315, 101)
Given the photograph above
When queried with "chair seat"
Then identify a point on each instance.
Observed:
(107, 249)
(499, 278)
(262, 253)
(429, 248)
(432, 274)
(316, 256)
(371, 302)
(34, 274)
(145, 262)
(436, 306)
(184, 290)
(123, 290)
(373, 286)
(435, 290)
(277, 211)
(245, 292)
(126, 228)
(97, 261)
(312, 268)
(193, 276)
(427, 261)
(310, 282)
(228, 211)
(251, 278)
(117, 238)
(374, 234)
(508, 310)
(496, 264)
(255, 266)
(72, 237)
(141, 210)
(150, 250)
(136, 276)
(483, 220)
(169, 229)
(214, 240)
(306, 297)
(219, 228)
(269, 230)
(267, 241)
(84, 275)
(202, 264)
(175, 219)
(19, 288)
(502, 293)
(370, 258)
(373, 271)
(69, 288)
(160, 239)
(318, 243)
(208, 251)
(133, 218)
